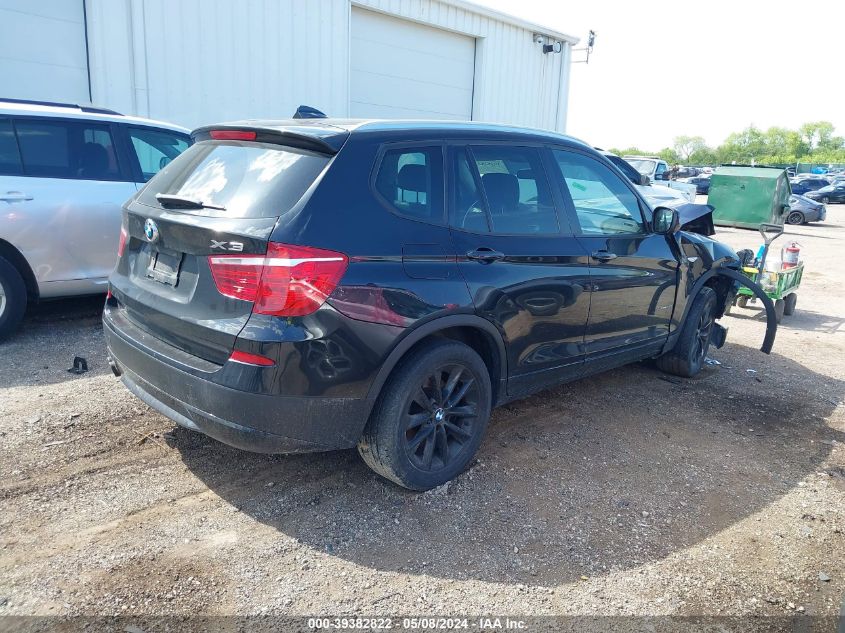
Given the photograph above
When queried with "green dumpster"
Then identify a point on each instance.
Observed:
(747, 197)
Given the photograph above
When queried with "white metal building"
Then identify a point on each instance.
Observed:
(194, 62)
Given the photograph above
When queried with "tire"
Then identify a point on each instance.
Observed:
(789, 304)
(404, 437)
(780, 306)
(687, 357)
(742, 302)
(795, 217)
(12, 298)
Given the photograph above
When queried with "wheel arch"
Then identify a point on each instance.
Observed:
(729, 276)
(475, 332)
(16, 258)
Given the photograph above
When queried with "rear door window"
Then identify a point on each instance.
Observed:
(511, 187)
(246, 179)
(10, 157)
(154, 149)
(410, 180)
(67, 149)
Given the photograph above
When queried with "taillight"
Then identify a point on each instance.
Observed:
(287, 281)
(233, 135)
(121, 244)
(246, 358)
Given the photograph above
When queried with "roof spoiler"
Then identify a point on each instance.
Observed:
(294, 136)
(307, 112)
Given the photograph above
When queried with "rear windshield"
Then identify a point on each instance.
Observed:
(249, 180)
(643, 166)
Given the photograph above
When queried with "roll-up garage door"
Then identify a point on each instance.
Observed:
(406, 70)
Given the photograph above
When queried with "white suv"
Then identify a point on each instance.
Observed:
(65, 172)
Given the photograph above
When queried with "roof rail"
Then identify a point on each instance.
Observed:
(55, 104)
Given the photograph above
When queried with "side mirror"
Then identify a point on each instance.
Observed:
(163, 162)
(665, 176)
(645, 181)
(665, 221)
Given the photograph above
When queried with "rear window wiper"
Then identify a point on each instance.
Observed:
(172, 201)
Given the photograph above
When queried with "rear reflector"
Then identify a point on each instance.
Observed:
(250, 359)
(233, 135)
(121, 244)
(287, 281)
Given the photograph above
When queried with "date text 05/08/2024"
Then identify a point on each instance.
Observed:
(418, 623)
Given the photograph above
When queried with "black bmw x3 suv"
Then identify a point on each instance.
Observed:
(314, 285)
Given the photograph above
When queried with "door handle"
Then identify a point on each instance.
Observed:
(603, 256)
(485, 255)
(15, 196)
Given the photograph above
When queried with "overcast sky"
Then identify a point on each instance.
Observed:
(661, 69)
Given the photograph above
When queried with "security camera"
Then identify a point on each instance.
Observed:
(538, 39)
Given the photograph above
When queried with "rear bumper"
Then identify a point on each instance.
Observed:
(816, 215)
(250, 421)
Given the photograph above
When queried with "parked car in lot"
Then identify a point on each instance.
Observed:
(803, 209)
(655, 196)
(829, 193)
(658, 171)
(805, 185)
(65, 172)
(316, 285)
(682, 172)
(702, 184)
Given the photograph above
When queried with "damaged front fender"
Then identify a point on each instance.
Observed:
(771, 317)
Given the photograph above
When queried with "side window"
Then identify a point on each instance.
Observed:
(659, 171)
(410, 179)
(603, 202)
(62, 149)
(517, 197)
(155, 149)
(10, 157)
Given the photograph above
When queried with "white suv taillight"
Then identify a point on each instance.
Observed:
(287, 281)
(121, 244)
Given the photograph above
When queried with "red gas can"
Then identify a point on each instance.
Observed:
(790, 254)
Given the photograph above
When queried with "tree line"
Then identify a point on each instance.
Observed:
(813, 142)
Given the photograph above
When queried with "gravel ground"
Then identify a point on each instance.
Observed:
(629, 493)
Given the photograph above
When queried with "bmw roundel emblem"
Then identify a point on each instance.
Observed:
(151, 230)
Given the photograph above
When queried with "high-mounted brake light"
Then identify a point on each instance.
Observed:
(246, 358)
(121, 244)
(287, 281)
(233, 135)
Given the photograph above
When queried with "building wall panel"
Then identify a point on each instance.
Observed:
(42, 50)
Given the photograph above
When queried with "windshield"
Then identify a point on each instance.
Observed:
(642, 165)
(632, 174)
(243, 179)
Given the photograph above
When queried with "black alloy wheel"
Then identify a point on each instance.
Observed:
(440, 416)
(703, 333)
(430, 418)
(795, 217)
